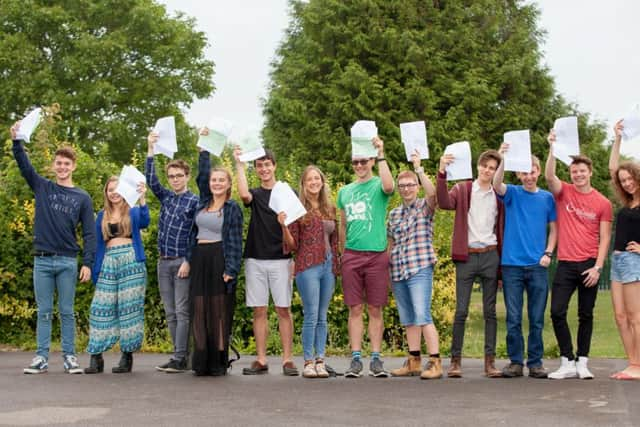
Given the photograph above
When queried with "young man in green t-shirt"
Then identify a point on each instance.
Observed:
(365, 262)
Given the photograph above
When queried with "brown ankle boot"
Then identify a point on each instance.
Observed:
(490, 367)
(412, 367)
(433, 369)
(455, 368)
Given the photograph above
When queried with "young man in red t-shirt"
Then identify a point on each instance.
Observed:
(584, 232)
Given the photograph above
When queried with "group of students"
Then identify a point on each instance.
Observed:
(501, 232)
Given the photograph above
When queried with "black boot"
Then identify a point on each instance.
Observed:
(125, 364)
(96, 365)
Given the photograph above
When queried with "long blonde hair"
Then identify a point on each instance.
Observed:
(124, 223)
(326, 207)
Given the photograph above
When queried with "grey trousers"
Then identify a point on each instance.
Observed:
(174, 292)
(484, 266)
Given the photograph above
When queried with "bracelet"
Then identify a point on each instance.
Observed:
(380, 159)
(549, 254)
(419, 170)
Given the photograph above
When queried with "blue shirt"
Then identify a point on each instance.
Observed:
(59, 209)
(139, 219)
(525, 231)
(177, 213)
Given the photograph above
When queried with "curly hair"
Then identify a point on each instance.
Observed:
(633, 169)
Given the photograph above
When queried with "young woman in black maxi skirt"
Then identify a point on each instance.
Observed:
(215, 264)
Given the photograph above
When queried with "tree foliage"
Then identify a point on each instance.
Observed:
(471, 69)
(114, 65)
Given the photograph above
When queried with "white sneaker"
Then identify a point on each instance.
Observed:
(39, 365)
(566, 370)
(581, 367)
(309, 370)
(71, 365)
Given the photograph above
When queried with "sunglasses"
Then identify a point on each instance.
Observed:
(361, 162)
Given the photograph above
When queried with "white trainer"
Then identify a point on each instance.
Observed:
(581, 367)
(566, 370)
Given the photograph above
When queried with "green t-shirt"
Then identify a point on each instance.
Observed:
(365, 205)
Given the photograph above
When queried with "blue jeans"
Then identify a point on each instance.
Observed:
(51, 273)
(516, 280)
(315, 285)
(413, 298)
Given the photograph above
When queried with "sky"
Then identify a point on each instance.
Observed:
(590, 49)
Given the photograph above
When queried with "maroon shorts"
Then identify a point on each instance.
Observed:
(365, 277)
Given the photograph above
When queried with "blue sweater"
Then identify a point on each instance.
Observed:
(59, 209)
(139, 219)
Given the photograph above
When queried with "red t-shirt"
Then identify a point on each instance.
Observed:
(579, 217)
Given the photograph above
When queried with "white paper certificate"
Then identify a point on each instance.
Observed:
(414, 137)
(29, 124)
(284, 199)
(362, 134)
(460, 168)
(215, 141)
(567, 143)
(518, 158)
(128, 182)
(167, 143)
(251, 147)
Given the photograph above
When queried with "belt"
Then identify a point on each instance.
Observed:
(483, 250)
(43, 253)
(170, 258)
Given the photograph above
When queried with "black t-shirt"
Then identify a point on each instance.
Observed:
(627, 227)
(264, 239)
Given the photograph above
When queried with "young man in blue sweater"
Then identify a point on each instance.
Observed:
(60, 206)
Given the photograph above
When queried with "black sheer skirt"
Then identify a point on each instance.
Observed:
(212, 308)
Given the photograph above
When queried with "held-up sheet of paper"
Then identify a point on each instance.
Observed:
(631, 123)
(362, 134)
(460, 168)
(128, 182)
(28, 125)
(219, 131)
(414, 137)
(567, 143)
(167, 143)
(518, 158)
(284, 199)
(251, 147)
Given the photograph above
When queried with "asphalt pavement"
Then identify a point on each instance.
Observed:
(147, 397)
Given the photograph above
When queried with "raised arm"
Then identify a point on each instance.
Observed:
(204, 170)
(150, 170)
(498, 179)
(383, 167)
(446, 199)
(614, 157)
(243, 185)
(26, 168)
(553, 182)
(427, 185)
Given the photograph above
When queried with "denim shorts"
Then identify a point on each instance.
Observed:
(625, 267)
(413, 298)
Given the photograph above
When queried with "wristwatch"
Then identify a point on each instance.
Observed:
(598, 269)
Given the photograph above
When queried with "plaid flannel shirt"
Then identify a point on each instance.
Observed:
(411, 229)
(177, 214)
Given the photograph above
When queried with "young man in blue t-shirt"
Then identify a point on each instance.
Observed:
(526, 254)
(60, 206)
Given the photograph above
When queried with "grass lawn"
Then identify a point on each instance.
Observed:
(605, 342)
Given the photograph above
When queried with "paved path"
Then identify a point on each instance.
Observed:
(146, 397)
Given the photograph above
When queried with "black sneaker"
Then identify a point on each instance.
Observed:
(512, 370)
(355, 369)
(376, 369)
(176, 366)
(163, 367)
(537, 372)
